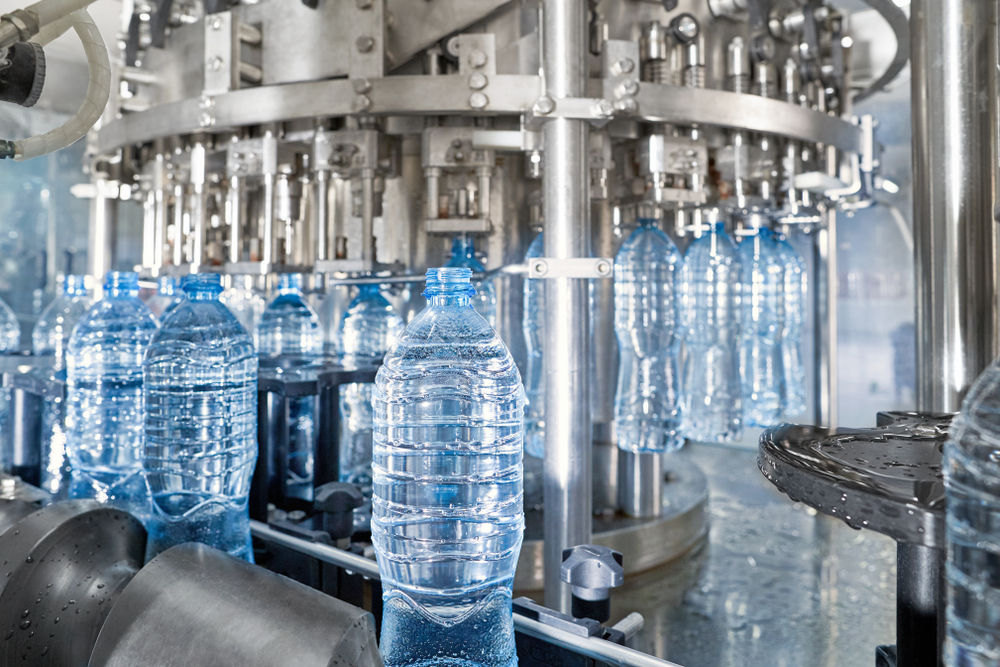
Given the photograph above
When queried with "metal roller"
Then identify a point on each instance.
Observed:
(63, 568)
(193, 605)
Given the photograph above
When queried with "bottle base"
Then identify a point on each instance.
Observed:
(214, 524)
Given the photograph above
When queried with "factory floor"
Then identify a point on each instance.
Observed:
(775, 584)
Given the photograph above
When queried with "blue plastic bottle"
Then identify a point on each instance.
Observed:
(447, 519)
(463, 255)
(368, 330)
(763, 319)
(201, 424)
(648, 401)
(104, 416)
(972, 485)
(10, 330)
(289, 338)
(710, 316)
(533, 324)
(168, 295)
(50, 338)
(793, 402)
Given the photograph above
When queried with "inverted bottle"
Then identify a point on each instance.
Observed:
(648, 410)
(201, 424)
(534, 334)
(104, 417)
(793, 400)
(368, 330)
(710, 317)
(447, 519)
(763, 319)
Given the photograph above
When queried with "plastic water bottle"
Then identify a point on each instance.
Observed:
(533, 324)
(246, 302)
(763, 319)
(463, 255)
(104, 415)
(50, 338)
(793, 402)
(289, 338)
(51, 334)
(648, 401)
(10, 330)
(972, 485)
(201, 424)
(368, 330)
(712, 401)
(168, 295)
(447, 519)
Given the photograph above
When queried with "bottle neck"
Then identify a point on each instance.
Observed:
(451, 300)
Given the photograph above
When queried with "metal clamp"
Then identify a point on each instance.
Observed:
(577, 267)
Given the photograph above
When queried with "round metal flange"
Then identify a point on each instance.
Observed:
(61, 570)
(646, 543)
(193, 605)
(887, 479)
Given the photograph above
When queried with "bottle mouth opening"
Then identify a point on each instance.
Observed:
(447, 280)
(121, 281)
(202, 283)
(75, 285)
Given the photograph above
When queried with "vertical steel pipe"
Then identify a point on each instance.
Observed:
(321, 218)
(103, 230)
(234, 203)
(368, 218)
(825, 318)
(566, 181)
(955, 111)
(604, 371)
(640, 484)
(954, 106)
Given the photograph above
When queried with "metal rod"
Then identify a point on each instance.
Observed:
(593, 647)
(198, 204)
(955, 113)
(825, 316)
(235, 202)
(919, 605)
(103, 223)
(159, 210)
(368, 215)
(566, 179)
(322, 219)
(640, 486)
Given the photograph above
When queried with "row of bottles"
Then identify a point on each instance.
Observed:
(708, 342)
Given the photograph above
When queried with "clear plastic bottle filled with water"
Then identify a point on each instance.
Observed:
(793, 400)
(447, 519)
(533, 325)
(368, 330)
(168, 295)
(290, 340)
(10, 330)
(104, 413)
(463, 255)
(648, 402)
(763, 321)
(201, 424)
(972, 485)
(50, 338)
(710, 316)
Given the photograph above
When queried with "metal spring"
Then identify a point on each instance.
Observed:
(694, 76)
(660, 71)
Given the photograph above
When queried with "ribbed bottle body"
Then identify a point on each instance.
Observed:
(763, 321)
(796, 290)
(648, 412)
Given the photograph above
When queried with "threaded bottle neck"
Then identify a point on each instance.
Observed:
(202, 286)
(166, 285)
(449, 286)
(121, 284)
(646, 222)
(74, 286)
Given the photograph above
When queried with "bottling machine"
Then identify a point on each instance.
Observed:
(351, 141)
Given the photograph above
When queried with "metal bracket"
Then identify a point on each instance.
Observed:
(577, 267)
(458, 226)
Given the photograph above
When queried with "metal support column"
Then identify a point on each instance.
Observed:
(825, 318)
(566, 181)
(955, 107)
(103, 230)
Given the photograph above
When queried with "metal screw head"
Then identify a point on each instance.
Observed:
(544, 105)
(604, 108)
(763, 48)
(627, 105)
(362, 85)
(685, 28)
(478, 101)
(477, 81)
(477, 58)
(538, 267)
(361, 103)
(603, 267)
(216, 23)
(623, 66)
(365, 43)
(627, 87)
(206, 119)
(215, 63)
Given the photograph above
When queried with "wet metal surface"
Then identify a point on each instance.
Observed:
(776, 584)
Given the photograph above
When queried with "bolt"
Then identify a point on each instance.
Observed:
(362, 85)
(365, 43)
(603, 108)
(603, 267)
(627, 87)
(623, 66)
(215, 63)
(216, 23)
(459, 156)
(539, 267)
(478, 101)
(544, 105)
(361, 103)
(627, 105)
(477, 58)
(478, 81)
(206, 119)
(685, 28)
